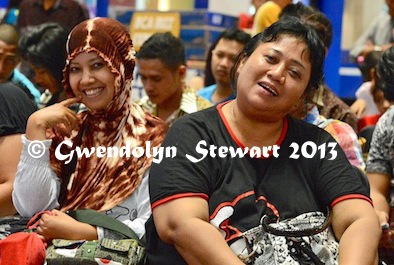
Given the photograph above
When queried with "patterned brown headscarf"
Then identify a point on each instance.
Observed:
(103, 183)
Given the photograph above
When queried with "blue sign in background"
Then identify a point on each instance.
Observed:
(3, 3)
(344, 85)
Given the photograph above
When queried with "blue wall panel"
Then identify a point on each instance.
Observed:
(344, 85)
(334, 11)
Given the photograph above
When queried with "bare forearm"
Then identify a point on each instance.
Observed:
(380, 202)
(6, 206)
(382, 207)
(35, 129)
(380, 191)
(85, 231)
(198, 242)
(359, 243)
(10, 151)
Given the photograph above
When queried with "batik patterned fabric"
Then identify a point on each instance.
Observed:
(190, 102)
(334, 108)
(342, 133)
(102, 183)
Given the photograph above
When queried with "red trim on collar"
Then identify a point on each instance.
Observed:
(237, 141)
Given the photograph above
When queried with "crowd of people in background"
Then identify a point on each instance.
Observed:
(66, 76)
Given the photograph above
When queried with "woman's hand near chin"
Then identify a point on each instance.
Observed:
(58, 116)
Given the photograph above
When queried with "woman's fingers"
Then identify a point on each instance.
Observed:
(68, 120)
(70, 101)
(39, 230)
(58, 116)
(56, 212)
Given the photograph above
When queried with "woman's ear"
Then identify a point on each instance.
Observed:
(182, 71)
(240, 63)
(304, 99)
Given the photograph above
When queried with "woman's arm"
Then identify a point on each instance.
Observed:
(356, 226)
(379, 167)
(380, 191)
(60, 225)
(358, 107)
(36, 186)
(185, 223)
(364, 42)
(58, 116)
(10, 152)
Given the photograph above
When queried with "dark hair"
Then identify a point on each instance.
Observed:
(165, 47)
(313, 18)
(45, 46)
(295, 28)
(230, 34)
(384, 73)
(369, 62)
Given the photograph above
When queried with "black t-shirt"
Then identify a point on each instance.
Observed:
(15, 109)
(240, 191)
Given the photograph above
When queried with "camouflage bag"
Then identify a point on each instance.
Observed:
(129, 250)
(103, 251)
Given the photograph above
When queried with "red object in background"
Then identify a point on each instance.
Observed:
(22, 248)
(368, 121)
(245, 21)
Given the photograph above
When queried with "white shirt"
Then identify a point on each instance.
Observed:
(37, 188)
(364, 92)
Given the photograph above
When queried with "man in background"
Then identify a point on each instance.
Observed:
(9, 60)
(68, 13)
(378, 37)
(161, 64)
(220, 59)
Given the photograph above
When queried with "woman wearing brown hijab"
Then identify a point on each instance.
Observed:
(98, 73)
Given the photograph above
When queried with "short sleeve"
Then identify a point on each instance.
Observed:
(336, 178)
(178, 176)
(15, 109)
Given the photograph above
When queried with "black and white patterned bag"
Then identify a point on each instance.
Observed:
(305, 239)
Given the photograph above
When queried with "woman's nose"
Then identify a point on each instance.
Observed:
(87, 77)
(277, 72)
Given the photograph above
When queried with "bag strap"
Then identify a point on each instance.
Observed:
(306, 249)
(96, 218)
(266, 221)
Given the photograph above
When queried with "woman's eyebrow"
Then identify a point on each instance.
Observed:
(294, 61)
